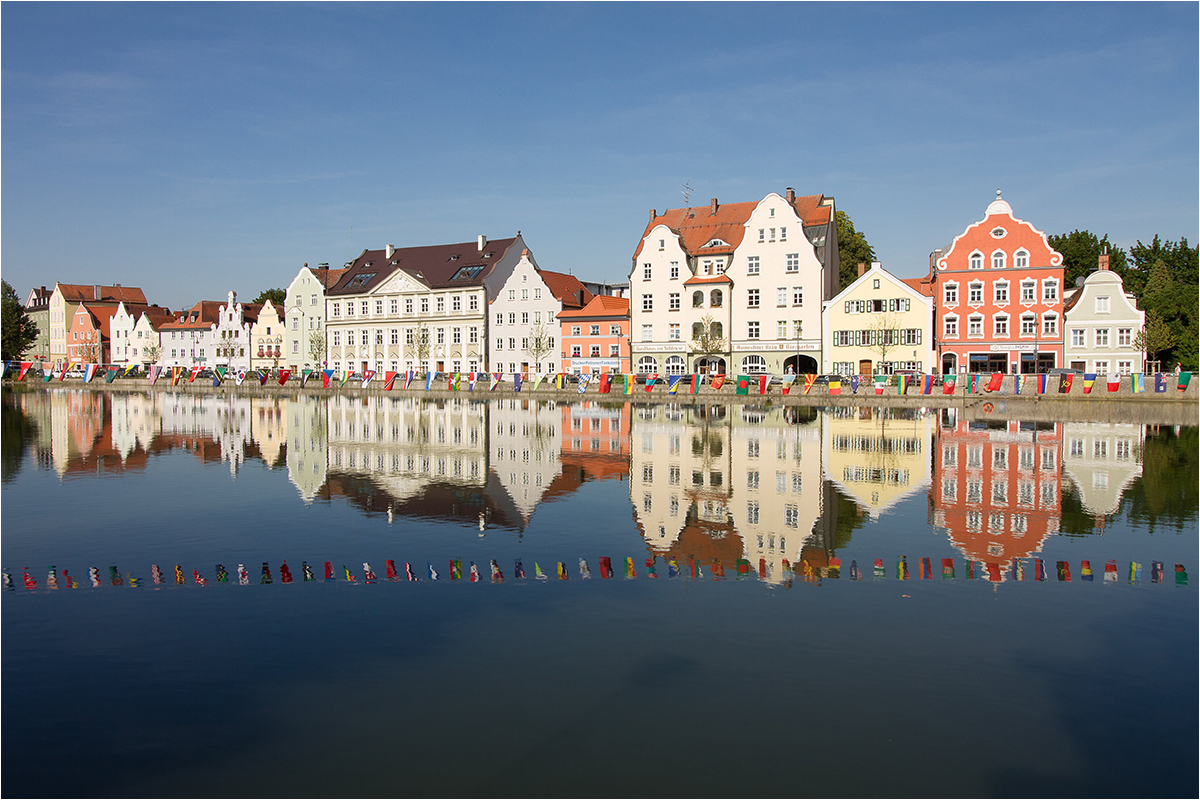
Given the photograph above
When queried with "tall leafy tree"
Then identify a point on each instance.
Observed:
(853, 248)
(1081, 253)
(1164, 276)
(277, 297)
(17, 330)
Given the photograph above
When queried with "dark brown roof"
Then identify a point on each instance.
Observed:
(206, 313)
(436, 266)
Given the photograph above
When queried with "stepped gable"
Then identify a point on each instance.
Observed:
(436, 266)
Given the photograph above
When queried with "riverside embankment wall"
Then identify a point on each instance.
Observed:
(1172, 407)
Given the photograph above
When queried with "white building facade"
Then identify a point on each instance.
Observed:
(1102, 324)
(304, 340)
(523, 322)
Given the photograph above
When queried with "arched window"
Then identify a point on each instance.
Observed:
(675, 365)
(754, 365)
(1021, 259)
(715, 298)
(697, 299)
(976, 260)
(647, 365)
(999, 259)
(697, 330)
(718, 331)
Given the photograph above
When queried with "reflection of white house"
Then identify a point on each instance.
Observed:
(1102, 460)
(135, 421)
(307, 449)
(526, 445)
(1102, 323)
(878, 324)
(226, 419)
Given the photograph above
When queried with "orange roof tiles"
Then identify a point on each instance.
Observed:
(79, 293)
(695, 279)
(566, 288)
(602, 305)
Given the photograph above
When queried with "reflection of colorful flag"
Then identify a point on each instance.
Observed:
(926, 570)
(673, 567)
(562, 571)
(537, 572)
(519, 570)
(433, 576)
(879, 573)
(1039, 569)
(1085, 571)
(605, 568)
(1018, 570)
(1135, 572)
(584, 572)
(902, 569)
(391, 570)
(835, 567)
(244, 576)
(1156, 572)
(156, 573)
(198, 579)
(306, 570)
(178, 574)
(328, 571)
(475, 576)
(31, 582)
(1110, 572)
(652, 572)
(349, 577)
(222, 575)
(718, 381)
(947, 569)
(264, 578)
(630, 572)
(718, 570)
(1063, 569)
(970, 570)
(855, 572)
(409, 575)
(1180, 575)
(743, 384)
(285, 574)
(993, 571)
(455, 569)
(497, 575)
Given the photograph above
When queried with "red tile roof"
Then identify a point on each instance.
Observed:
(699, 225)
(328, 277)
(79, 293)
(919, 285)
(207, 312)
(713, 279)
(602, 305)
(566, 288)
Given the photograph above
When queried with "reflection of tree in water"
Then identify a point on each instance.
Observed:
(16, 432)
(1166, 493)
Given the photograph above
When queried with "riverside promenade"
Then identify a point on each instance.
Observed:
(1170, 407)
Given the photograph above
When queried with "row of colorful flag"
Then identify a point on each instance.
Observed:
(1018, 570)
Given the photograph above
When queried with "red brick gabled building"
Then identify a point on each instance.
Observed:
(998, 297)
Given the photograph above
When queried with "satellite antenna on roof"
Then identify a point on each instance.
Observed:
(687, 193)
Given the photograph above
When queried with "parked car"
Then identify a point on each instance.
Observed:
(1065, 371)
(823, 380)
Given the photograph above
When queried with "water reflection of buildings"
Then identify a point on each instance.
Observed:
(877, 456)
(997, 486)
(1101, 460)
(724, 483)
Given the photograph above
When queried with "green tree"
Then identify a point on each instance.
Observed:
(17, 330)
(1165, 274)
(1155, 338)
(853, 249)
(1081, 254)
(277, 297)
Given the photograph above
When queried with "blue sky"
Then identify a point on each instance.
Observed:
(191, 149)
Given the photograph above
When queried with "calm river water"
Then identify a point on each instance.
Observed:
(736, 600)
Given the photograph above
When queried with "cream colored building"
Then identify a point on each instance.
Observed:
(876, 325)
(526, 447)
(308, 444)
(266, 339)
(1102, 459)
(303, 342)
(877, 457)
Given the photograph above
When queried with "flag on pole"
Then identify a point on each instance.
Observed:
(471, 378)
(518, 379)
(241, 376)
(195, 372)
(89, 372)
(835, 386)
(854, 382)
(995, 383)
(26, 365)
(606, 383)
(1089, 380)
(152, 377)
(743, 384)
(1041, 383)
(326, 377)
(496, 378)
(111, 375)
(368, 375)
(1139, 382)
(927, 384)
(718, 381)
(697, 380)
(630, 381)
(673, 382)
(1064, 384)
(452, 381)
(764, 382)
(786, 383)
(584, 380)
(537, 381)
(429, 376)
(809, 381)
(389, 380)
(219, 375)
(650, 381)
(408, 378)
(901, 384)
(948, 383)
(346, 376)
(176, 374)
(1018, 383)
(1160, 382)
(129, 370)
(284, 375)
(263, 374)
(1114, 383)
(1181, 383)
(560, 380)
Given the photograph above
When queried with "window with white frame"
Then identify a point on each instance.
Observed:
(950, 326)
(762, 234)
(647, 302)
(1028, 291)
(783, 234)
(752, 330)
(793, 262)
(975, 293)
(1123, 367)
(797, 295)
(999, 259)
(1101, 337)
(646, 273)
(752, 298)
(1101, 366)
(1028, 325)
(648, 333)
(674, 331)
(674, 270)
(975, 325)
(1049, 291)
(950, 294)
(1102, 305)
(1021, 259)
(752, 265)
(1077, 337)
(781, 329)
(673, 301)
(1000, 325)
(1000, 293)
(1124, 337)
(1050, 325)
(975, 261)
(781, 296)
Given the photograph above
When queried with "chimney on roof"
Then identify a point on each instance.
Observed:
(482, 242)
(713, 210)
(96, 292)
(581, 298)
(390, 250)
(791, 195)
(1104, 261)
(862, 269)
(525, 253)
(653, 214)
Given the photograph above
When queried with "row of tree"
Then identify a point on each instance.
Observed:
(1164, 276)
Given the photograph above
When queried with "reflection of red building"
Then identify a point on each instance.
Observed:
(997, 486)
(596, 439)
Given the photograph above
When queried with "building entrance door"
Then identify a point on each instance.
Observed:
(864, 367)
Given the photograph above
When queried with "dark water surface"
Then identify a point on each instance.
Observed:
(787, 677)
